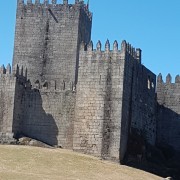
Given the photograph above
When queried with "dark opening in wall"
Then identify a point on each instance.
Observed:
(149, 82)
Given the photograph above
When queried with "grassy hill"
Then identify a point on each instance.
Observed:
(31, 163)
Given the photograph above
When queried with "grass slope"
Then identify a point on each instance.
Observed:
(31, 163)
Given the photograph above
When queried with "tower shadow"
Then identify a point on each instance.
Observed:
(34, 121)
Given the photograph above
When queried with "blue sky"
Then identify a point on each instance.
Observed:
(153, 26)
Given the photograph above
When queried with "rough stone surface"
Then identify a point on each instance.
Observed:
(47, 40)
(49, 116)
(68, 94)
(26, 141)
(97, 123)
(168, 97)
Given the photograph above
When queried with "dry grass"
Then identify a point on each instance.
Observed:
(31, 163)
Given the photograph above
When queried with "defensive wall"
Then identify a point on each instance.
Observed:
(109, 84)
(11, 90)
(49, 114)
(40, 112)
(97, 115)
(168, 122)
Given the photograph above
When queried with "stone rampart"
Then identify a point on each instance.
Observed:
(49, 114)
(103, 99)
(168, 97)
(10, 84)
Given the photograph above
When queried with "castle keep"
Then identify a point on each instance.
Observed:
(66, 92)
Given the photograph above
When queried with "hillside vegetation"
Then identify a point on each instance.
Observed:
(31, 163)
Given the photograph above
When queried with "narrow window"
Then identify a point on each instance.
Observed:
(149, 83)
(152, 84)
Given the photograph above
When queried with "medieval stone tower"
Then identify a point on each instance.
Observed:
(47, 39)
(65, 92)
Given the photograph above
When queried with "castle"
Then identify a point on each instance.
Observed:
(65, 92)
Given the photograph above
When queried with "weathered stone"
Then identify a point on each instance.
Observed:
(64, 93)
(168, 119)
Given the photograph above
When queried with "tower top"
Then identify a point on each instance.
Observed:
(41, 6)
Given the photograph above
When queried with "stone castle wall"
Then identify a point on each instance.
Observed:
(168, 122)
(143, 117)
(99, 101)
(49, 115)
(109, 84)
(22, 84)
(138, 102)
(11, 90)
(39, 112)
(7, 92)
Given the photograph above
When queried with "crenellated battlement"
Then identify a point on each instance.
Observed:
(6, 70)
(168, 79)
(20, 74)
(17, 73)
(168, 111)
(45, 6)
(126, 50)
(47, 2)
(52, 86)
(6, 74)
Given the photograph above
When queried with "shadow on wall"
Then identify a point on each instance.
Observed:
(168, 127)
(36, 123)
(164, 159)
(168, 139)
(107, 124)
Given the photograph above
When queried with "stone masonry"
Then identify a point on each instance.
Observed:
(168, 120)
(64, 92)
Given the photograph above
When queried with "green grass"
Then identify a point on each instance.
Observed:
(31, 163)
